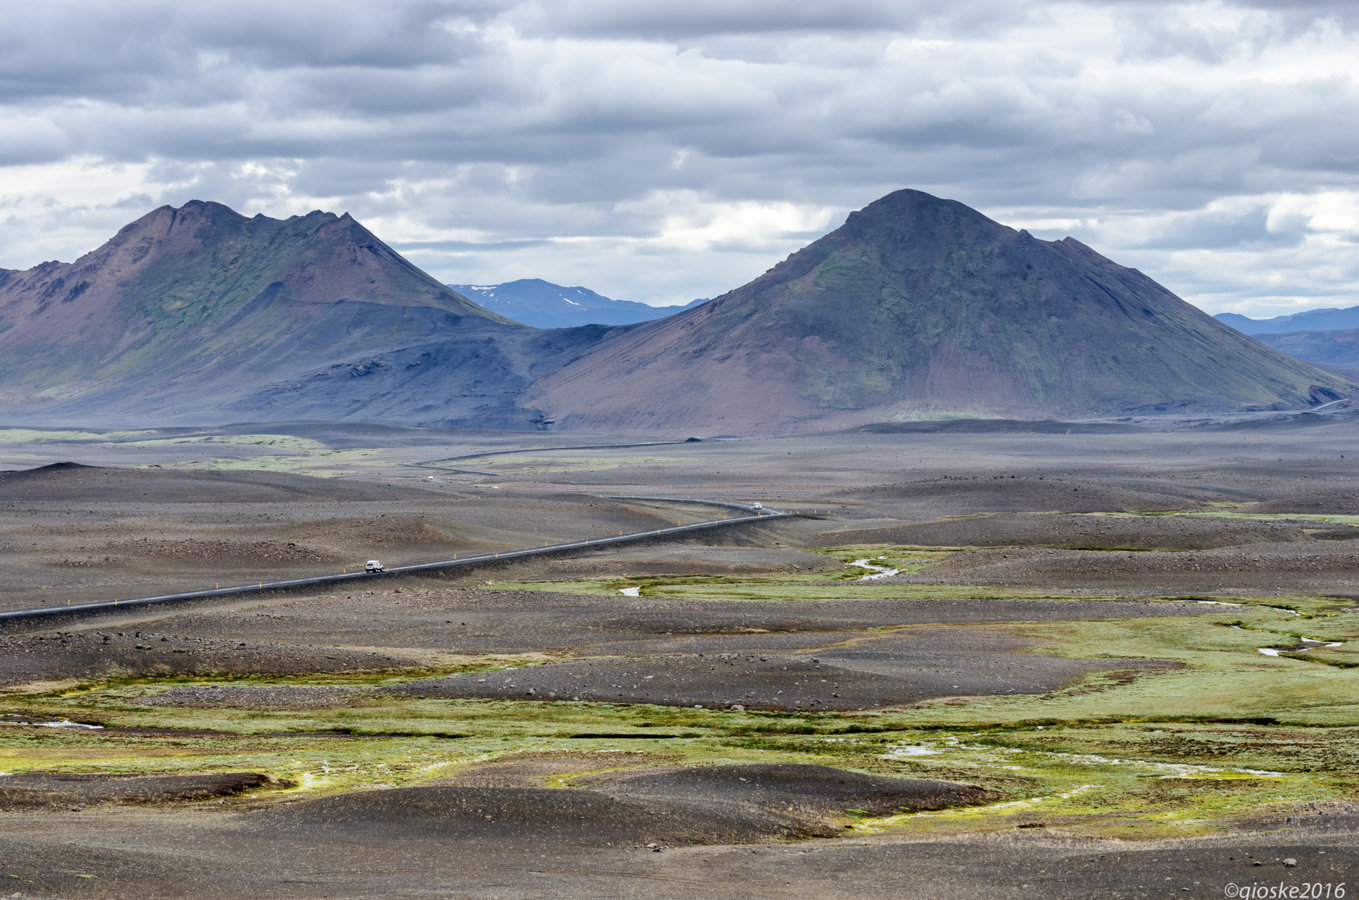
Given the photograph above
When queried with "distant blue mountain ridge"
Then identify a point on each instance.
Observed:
(1328, 337)
(1311, 320)
(543, 304)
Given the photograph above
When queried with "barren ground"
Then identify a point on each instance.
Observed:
(1026, 708)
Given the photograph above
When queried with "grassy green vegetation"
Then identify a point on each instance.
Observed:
(843, 584)
(263, 452)
(272, 441)
(728, 588)
(376, 740)
(905, 559)
(39, 436)
(1235, 511)
(1212, 734)
(294, 460)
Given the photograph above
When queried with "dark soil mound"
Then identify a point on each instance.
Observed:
(892, 671)
(707, 805)
(70, 482)
(796, 789)
(96, 654)
(55, 468)
(39, 789)
(513, 817)
(1080, 531)
(995, 426)
(965, 494)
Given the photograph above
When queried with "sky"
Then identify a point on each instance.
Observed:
(659, 153)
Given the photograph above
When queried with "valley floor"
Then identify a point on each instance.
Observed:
(1061, 690)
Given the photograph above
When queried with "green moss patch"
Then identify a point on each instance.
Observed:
(1214, 734)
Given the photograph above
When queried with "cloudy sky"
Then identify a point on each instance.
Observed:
(660, 152)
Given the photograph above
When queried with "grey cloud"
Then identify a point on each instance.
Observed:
(623, 18)
(713, 20)
(413, 247)
(327, 33)
(1244, 228)
(147, 52)
(528, 123)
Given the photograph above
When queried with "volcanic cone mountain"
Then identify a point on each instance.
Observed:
(197, 313)
(922, 307)
(917, 307)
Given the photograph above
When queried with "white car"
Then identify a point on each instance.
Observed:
(373, 567)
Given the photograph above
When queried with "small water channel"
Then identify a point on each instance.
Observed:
(1301, 646)
(878, 571)
(48, 723)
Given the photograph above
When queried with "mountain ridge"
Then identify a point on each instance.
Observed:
(1336, 347)
(916, 307)
(543, 304)
(1326, 337)
(1329, 319)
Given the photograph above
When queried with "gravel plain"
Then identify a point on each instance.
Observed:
(1094, 516)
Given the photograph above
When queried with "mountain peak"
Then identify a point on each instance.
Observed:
(922, 307)
(190, 288)
(904, 213)
(910, 200)
(207, 206)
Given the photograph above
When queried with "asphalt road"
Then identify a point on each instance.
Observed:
(753, 513)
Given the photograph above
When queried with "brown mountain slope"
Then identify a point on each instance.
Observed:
(198, 313)
(921, 307)
(196, 265)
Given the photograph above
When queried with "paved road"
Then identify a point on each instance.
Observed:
(749, 513)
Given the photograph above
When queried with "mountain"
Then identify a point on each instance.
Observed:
(543, 304)
(1323, 336)
(196, 313)
(1325, 348)
(1311, 320)
(921, 307)
(916, 308)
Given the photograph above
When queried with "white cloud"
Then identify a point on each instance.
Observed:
(1331, 213)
